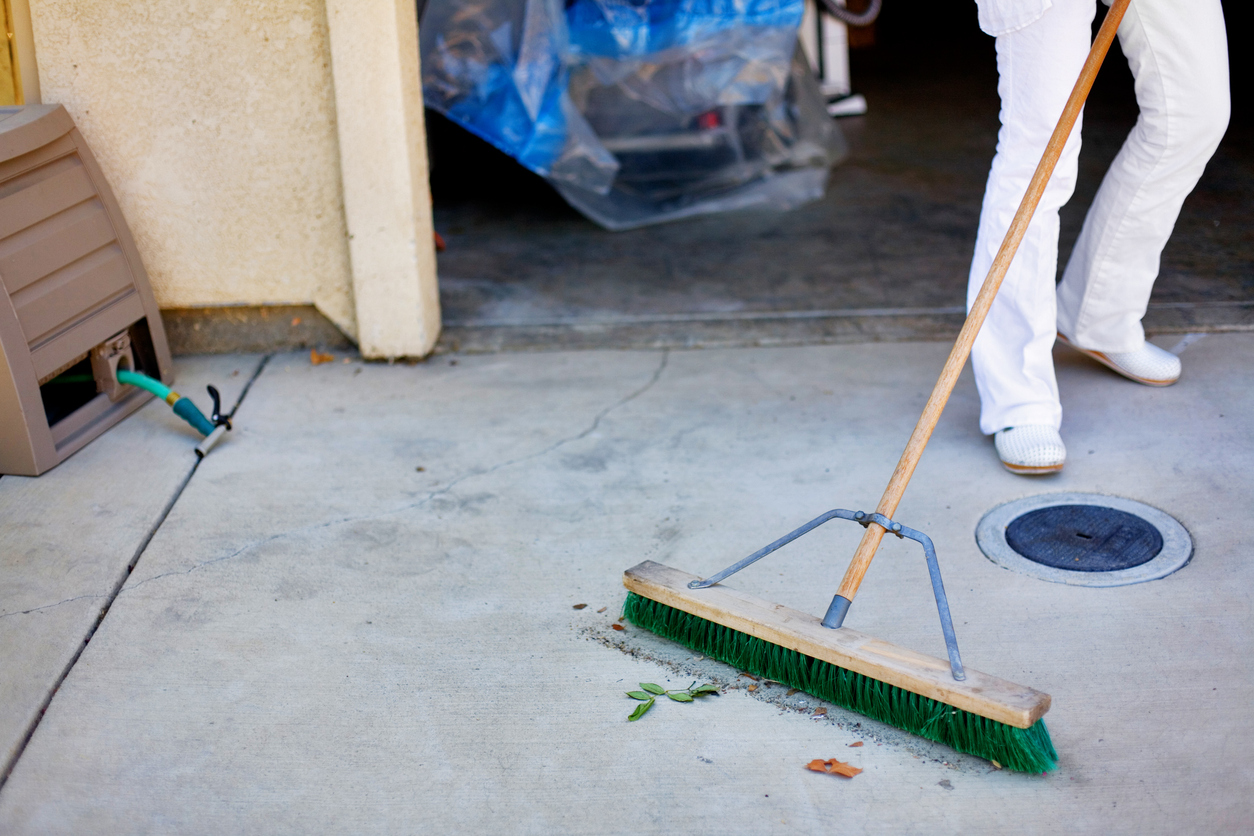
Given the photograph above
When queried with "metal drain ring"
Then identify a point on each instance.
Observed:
(1177, 548)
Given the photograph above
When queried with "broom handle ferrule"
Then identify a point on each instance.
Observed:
(979, 309)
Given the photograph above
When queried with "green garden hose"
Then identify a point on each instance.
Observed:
(183, 407)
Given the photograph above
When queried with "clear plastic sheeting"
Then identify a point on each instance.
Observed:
(498, 69)
(673, 165)
(638, 112)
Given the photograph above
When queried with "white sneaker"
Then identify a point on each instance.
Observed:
(1149, 364)
(1031, 450)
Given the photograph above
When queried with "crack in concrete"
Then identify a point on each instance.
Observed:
(444, 491)
(143, 544)
(113, 593)
(49, 606)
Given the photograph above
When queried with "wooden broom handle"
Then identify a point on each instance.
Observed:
(962, 348)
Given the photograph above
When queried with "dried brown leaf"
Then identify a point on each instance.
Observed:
(836, 767)
(618, 627)
(792, 691)
(819, 711)
(855, 745)
(295, 321)
(317, 358)
(603, 609)
(752, 688)
(833, 767)
(578, 606)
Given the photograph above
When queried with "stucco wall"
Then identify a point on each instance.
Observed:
(214, 121)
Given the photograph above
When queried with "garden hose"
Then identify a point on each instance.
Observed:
(183, 407)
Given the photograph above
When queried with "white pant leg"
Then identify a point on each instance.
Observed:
(1037, 68)
(1178, 54)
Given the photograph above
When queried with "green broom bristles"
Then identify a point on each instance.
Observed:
(1023, 750)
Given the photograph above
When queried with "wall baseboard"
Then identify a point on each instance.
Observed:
(240, 329)
(250, 329)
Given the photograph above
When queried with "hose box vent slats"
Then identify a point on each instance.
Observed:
(70, 281)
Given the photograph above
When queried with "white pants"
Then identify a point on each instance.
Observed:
(1177, 50)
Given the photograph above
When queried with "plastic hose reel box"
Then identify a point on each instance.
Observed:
(75, 303)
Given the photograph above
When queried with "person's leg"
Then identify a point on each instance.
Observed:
(1178, 55)
(1037, 67)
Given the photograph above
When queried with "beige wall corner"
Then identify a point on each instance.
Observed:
(214, 121)
(383, 161)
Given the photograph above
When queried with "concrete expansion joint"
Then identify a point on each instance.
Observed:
(116, 591)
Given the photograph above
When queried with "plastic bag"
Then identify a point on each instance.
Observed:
(496, 67)
(637, 111)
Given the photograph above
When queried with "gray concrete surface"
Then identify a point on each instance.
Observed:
(324, 638)
(70, 535)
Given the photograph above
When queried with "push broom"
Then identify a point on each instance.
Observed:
(967, 710)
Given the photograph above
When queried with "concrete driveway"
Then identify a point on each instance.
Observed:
(358, 614)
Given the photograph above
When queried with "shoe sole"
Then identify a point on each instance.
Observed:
(1110, 364)
(1024, 470)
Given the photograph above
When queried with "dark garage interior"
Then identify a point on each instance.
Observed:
(883, 256)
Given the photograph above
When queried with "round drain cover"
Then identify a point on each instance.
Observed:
(1084, 539)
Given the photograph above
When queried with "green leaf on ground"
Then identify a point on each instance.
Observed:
(651, 691)
(640, 710)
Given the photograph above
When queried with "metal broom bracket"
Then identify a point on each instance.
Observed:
(835, 619)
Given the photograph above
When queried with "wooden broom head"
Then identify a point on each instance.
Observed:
(997, 699)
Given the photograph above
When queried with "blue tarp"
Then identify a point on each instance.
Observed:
(557, 86)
